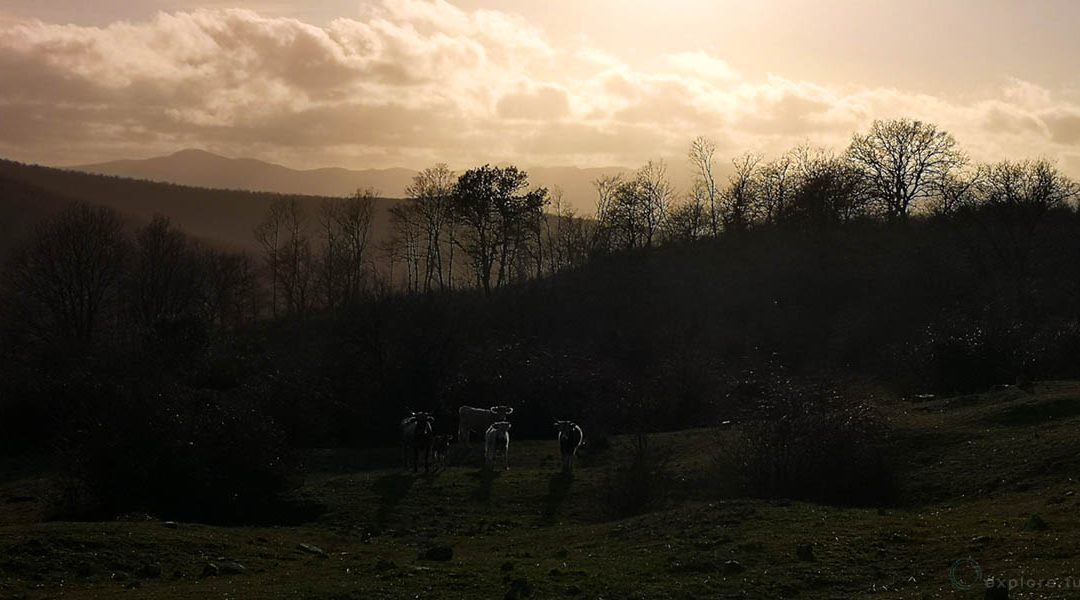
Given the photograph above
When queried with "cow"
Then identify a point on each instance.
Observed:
(440, 448)
(496, 439)
(416, 435)
(479, 419)
(570, 438)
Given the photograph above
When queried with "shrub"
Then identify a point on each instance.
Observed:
(963, 355)
(815, 446)
(638, 478)
(185, 455)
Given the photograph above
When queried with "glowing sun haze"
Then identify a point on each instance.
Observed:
(564, 82)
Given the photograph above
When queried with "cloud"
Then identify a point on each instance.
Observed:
(542, 103)
(417, 81)
(1064, 126)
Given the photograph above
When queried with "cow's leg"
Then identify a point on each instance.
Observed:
(506, 457)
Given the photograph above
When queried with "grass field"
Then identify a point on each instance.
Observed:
(974, 471)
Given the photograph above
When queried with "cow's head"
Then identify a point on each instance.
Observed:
(564, 427)
(501, 426)
(424, 420)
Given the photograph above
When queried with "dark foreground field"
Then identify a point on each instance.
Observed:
(992, 477)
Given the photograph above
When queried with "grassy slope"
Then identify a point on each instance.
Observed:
(974, 470)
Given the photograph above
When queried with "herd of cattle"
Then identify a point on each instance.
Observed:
(418, 437)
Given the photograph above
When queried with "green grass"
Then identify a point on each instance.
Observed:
(973, 470)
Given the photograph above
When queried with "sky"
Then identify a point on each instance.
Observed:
(384, 83)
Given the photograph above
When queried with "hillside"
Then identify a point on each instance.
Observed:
(203, 169)
(974, 471)
(29, 193)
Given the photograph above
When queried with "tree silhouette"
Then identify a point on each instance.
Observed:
(904, 161)
(495, 210)
(164, 279)
(63, 281)
(702, 151)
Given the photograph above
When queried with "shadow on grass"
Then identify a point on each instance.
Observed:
(1035, 414)
(461, 456)
(391, 490)
(486, 478)
(558, 490)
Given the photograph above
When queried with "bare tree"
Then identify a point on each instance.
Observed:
(286, 243)
(63, 282)
(429, 197)
(702, 151)
(165, 275)
(904, 161)
(568, 237)
(740, 197)
(830, 190)
(1016, 197)
(657, 195)
(230, 291)
(777, 182)
(346, 235)
(607, 190)
(631, 212)
(689, 220)
(268, 234)
(958, 189)
(405, 244)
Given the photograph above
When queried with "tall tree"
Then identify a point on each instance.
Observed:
(346, 235)
(631, 212)
(702, 151)
(63, 282)
(286, 241)
(740, 197)
(495, 210)
(429, 201)
(776, 188)
(830, 190)
(904, 161)
(165, 275)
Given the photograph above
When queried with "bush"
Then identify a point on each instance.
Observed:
(638, 479)
(961, 356)
(816, 446)
(190, 455)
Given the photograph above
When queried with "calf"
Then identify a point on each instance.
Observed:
(440, 448)
(416, 435)
(497, 438)
(570, 438)
(479, 419)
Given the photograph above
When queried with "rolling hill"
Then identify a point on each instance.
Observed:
(204, 169)
(225, 218)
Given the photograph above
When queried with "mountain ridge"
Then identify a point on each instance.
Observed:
(201, 168)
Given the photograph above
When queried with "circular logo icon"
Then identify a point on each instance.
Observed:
(965, 574)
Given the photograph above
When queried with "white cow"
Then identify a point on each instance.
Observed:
(479, 419)
(570, 438)
(496, 439)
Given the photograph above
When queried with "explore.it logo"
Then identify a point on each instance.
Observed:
(966, 575)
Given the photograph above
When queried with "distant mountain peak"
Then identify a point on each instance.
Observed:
(194, 152)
